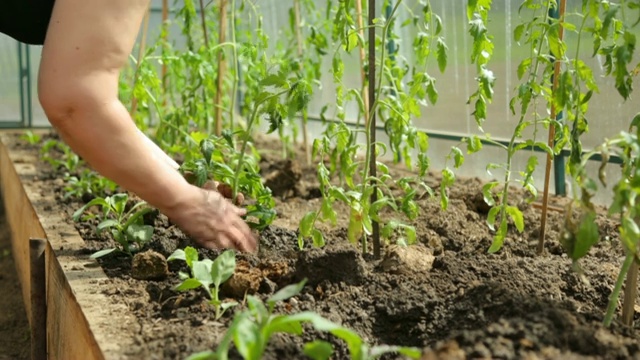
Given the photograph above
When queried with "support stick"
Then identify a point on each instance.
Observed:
(551, 142)
(141, 49)
(375, 234)
(365, 96)
(38, 299)
(165, 34)
(303, 118)
(630, 293)
(221, 67)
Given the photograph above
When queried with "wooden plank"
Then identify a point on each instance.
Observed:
(80, 322)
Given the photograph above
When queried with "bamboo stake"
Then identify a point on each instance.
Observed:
(365, 96)
(221, 67)
(141, 49)
(375, 233)
(165, 34)
(303, 122)
(552, 135)
(630, 294)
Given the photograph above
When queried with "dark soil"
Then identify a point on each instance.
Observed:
(14, 326)
(469, 304)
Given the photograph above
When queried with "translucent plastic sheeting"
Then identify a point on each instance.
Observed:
(9, 81)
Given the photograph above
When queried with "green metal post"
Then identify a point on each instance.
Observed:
(558, 160)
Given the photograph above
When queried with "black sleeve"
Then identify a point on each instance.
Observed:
(26, 20)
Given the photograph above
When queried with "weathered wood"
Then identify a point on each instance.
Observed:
(38, 299)
(82, 322)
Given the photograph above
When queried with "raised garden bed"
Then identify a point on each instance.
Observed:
(455, 301)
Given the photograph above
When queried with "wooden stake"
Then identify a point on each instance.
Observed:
(221, 68)
(375, 234)
(365, 95)
(38, 281)
(165, 17)
(552, 135)
(630, 294)
(141, 49)
(303, 122)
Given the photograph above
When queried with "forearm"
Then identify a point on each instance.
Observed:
(107, 139)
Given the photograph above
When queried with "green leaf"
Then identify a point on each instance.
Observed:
(458, 156)
(491, 217)
(318, 350)
(377, 351)
(287, 292)
(587, 235)
(179, 254)
(498, 239)
(306, 223)
(283, 324)
(140, 233)
(318, 238)
(191, 255)
(102, 253)
(274, 80)
(517, 32)
(474, 144)
(105, 225)
(223, 267)
(441, 52)
(202, 272)
(246, 338)
(487, 194)
(516, 216)
(203, 355)
(207, 148)
(188, 284)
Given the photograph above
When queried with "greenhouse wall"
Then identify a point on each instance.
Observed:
(450, 118)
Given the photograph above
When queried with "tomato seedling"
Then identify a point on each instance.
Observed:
(206, 274)
(126, 226)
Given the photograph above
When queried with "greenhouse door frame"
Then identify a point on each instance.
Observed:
(24, 87)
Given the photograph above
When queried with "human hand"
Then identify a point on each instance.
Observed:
(213, 221)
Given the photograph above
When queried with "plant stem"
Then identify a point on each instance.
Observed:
(371, 141)
(221, 68)
(510, 148)
(613, 299)
(245, 141)
(552, 134)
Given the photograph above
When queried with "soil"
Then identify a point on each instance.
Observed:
(14, 326)
(454, 301)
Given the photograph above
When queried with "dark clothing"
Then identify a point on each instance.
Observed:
(26, 20)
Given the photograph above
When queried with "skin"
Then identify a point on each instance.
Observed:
(88, 43)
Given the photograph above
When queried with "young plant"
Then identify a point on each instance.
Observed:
(126, 225)
(219, 160)
(88, 182)
(69, 161)
(206, 274)
(579, 236)
(30, 137)
(252, 329)
(365, 184)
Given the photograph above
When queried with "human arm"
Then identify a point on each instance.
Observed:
(87, 44)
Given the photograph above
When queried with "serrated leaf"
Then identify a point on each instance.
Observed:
(516, 215)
